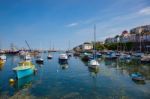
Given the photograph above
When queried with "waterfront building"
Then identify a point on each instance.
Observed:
(125, 36)
(87, 46)
(110, 40)
(140, 29)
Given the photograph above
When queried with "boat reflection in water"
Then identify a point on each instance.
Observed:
(94, 71)
(111, 63)
(139, 82)
(64, 66)
(23, 83)
(93, 74)
(1, 66)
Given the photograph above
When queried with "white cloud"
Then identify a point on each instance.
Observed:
(145, 11)
(72, 25)
(115, 25)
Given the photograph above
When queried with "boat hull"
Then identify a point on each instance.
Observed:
(49, 57)
(39, 61)
(24, 73)
(137, 77)
(63, 61)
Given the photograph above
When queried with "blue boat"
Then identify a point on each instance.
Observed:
(24, 69)
(137, 77)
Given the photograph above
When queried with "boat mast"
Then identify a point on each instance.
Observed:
(140, 31)
(69, 45)
(50, 46)
(94, 41)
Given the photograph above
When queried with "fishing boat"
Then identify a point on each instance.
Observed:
(49, 56)
(24, 69)
(137, 77)
(63, 58)
(39, 60)
(94, 63)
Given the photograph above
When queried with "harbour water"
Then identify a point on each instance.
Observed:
(75, 81)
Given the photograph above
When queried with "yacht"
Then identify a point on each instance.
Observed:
(63, 58)
(39, 60)
(94, 63)
(49, 56)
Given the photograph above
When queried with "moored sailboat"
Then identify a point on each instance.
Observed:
(94, 63)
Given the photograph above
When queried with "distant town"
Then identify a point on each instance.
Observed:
(137, 39)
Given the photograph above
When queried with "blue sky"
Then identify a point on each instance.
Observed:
(60, 21)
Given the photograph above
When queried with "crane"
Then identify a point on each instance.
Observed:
(28, 45)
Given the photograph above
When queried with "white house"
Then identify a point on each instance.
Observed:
(87, 46)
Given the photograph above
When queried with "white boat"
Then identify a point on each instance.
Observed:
(63, 56)
(94, 63)
(49, 56)
(145, 59)
(3, 57)
(39, 60)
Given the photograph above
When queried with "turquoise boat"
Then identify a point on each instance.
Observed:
(24, 69)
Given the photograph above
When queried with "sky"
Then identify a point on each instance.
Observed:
(55, 23)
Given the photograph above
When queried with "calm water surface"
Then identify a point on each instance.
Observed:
(76, 81)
